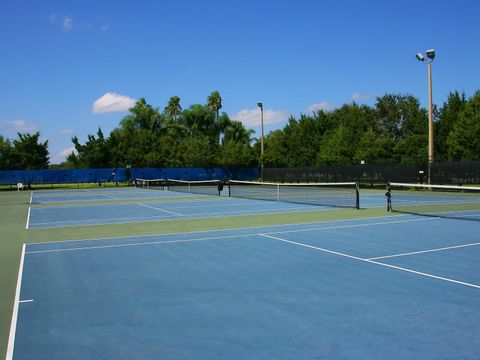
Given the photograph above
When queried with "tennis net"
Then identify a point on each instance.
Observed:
(206, 187)
(153, 184)
(344, 194)
(459, 202)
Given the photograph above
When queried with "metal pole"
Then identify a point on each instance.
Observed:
(430, 123)
(261, 145)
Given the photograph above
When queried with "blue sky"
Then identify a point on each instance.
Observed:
(68, 67)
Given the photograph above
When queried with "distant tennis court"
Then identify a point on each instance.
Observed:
(392, 287)
(101, 214)
(83, 195)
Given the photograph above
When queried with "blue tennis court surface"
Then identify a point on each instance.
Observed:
(202, 207)
(207, 207)
(59, 196)
(398, 287)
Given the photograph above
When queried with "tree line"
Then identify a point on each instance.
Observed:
(393, 130)
(25, 153)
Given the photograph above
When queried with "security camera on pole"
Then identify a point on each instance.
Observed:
(430, 55)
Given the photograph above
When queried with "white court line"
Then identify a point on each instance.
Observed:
(274, 238)
(31, 196)
(223, 230)
(196, 239)
(352, 225)
(28, 217)
(110, 196)
(424, 251)
(25, 301)
(312, 247)
(140, 244)
(187, 217)
(424, 274)
(100, 221)
(373, 262)
(158, 209)
(13, 325)
(166, 200)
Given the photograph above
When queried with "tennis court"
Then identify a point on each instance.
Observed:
(208, 207)
(84, 195)
(180, 205)
(390, 287)
(378, 285)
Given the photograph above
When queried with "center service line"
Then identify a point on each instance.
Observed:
(158, 209)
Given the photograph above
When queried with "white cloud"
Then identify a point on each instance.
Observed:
(68, 151)
(112, 102)
(17, 126)
(67, 23)
(358, 97)
(66, 132)
(61, 156)
(324, 105)
(251, 117)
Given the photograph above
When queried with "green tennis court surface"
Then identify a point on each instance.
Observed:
(274, 285)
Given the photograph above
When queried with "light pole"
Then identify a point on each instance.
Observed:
(260, 105)
(431, 55)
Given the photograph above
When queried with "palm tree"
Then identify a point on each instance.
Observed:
(173, 107)
(214, 102)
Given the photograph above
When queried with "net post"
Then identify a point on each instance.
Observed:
(357, 195)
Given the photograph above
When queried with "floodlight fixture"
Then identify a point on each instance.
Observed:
(260, 104)
(420, 57)
(431, 54)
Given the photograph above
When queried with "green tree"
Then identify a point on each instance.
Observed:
(448, 117)
(142, 117)
(28, 153)
(197, 151)
(464, 139)
(400, 118)
(275, 149)
(340, 145)
(94, 154)
(214, 102)
(234, 130)
(173, 107)
(5, 154)
(374, 149)
(199, 120)
(236, 154)
(400, 115)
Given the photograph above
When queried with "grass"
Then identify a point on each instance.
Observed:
(14, 208)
